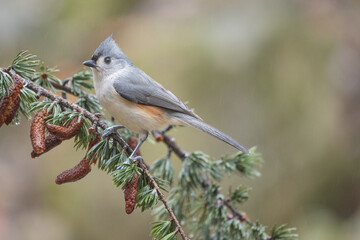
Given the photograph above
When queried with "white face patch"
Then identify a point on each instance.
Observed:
(108, 66)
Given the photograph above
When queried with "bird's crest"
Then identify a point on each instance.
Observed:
(109, 48)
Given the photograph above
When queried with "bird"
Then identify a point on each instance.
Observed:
(138, 102)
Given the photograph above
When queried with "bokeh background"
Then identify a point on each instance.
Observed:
(281, 75)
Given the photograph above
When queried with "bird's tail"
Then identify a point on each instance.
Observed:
(208, 129)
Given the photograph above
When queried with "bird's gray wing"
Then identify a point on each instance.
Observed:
(136, 86)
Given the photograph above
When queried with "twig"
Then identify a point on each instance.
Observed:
(162, 198)
(236, 213)
(65, 88)
(96, 120)
(170, 142)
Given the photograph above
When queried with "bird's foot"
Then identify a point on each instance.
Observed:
(127, 161)
(99, 115)
(136, 158)
(111, 130)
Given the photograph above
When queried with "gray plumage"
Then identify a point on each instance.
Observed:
(109, 48)
(134, 85)
(208, 129)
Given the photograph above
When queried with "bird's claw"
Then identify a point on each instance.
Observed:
(127, 161)
(136, 158)
(107, 133)
(110, 130)
(99, 115)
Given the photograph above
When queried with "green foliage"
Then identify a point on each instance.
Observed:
(181, 202)
(109, 155)
(45, 76)
(240, 195)
(242, 163)
(213, 210)
(256, 232)
(164, 169)
(27, 99)
(5, 82)
(234, 228)
(196, 168)
(200, 204)
(24, 64)
(80, 81)
(82, 138)
(146, 198)
(283, 233)
(124, 173)
(163, 230)
(89, 103)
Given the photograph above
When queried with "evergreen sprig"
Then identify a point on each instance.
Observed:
(124, 173)
(241, 163)
(5, 82)
(24, 64)
(283, 233)
(146, 198)
(80, 81)
(240, 194)
(196, 168)
(27, 99)
(181, 202)
(89, 103)
(45, 77)
(163, 230)
(109, 155)
(164, 169)
(80, 84)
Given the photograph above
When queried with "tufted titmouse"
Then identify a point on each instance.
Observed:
(136, 100)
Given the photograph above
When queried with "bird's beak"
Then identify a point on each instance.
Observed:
(90, 63)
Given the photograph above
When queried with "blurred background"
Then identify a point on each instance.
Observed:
(281, 75)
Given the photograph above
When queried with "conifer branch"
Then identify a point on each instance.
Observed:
(40, 91)
(173, 146)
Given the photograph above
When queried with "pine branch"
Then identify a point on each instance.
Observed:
(173, 146)
(40, 91)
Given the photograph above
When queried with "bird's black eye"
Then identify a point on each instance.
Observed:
(107, 60)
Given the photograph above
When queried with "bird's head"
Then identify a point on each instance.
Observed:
(107, 58)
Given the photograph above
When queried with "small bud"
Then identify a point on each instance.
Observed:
(244, 216)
